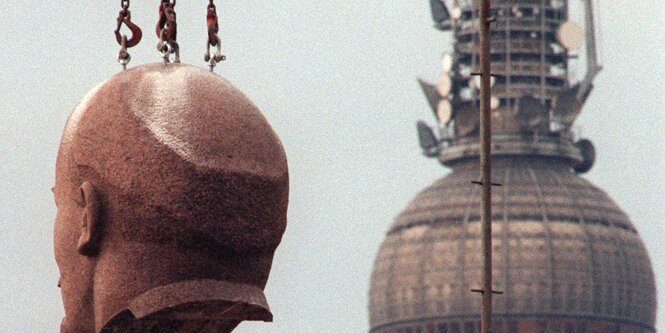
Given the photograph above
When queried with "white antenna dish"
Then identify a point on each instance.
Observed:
(557, 4)
(447, 62)
(444, 111)
(494, 102)
(557, 48)
(474, 82)
(557, 70)
(456, 13)
(464, 70)
(444, 86)
(517, 12)
(466, 94)
(570, 35)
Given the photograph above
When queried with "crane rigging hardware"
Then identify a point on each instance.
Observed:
(125, 16)
(166, 31)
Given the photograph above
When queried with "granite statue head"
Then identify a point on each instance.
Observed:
(172, 192)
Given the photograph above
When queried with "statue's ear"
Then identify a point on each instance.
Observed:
(90, 237)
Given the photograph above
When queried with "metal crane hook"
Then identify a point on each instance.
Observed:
(167, 30)
(125, 16)
(213, 39)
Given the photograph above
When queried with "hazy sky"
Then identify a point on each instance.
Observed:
(337, 81)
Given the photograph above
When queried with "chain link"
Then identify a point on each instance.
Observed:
(213, 39)
(167, 31)
(125, 17)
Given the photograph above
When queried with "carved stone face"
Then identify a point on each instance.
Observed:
(172, 192)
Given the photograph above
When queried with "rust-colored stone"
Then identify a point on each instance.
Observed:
(172, 192)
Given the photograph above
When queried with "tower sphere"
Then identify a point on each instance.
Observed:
(566, 258)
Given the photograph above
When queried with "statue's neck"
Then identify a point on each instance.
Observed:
(192, 306)
(139, 280)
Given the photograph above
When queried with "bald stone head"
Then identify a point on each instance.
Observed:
(172, 192)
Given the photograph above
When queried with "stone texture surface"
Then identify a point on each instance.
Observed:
(172, 192)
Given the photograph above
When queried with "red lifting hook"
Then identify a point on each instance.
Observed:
(125, 17)
(213, 24)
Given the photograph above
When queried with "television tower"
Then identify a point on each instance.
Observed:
(565, 256)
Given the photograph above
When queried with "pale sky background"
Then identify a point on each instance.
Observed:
(337, 81)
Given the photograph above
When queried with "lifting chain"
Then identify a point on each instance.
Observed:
(213, 39)
(167, 30)
(125, 16)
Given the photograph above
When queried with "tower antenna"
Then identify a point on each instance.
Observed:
(486, 166)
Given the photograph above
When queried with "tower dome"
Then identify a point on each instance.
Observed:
(565, 256)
